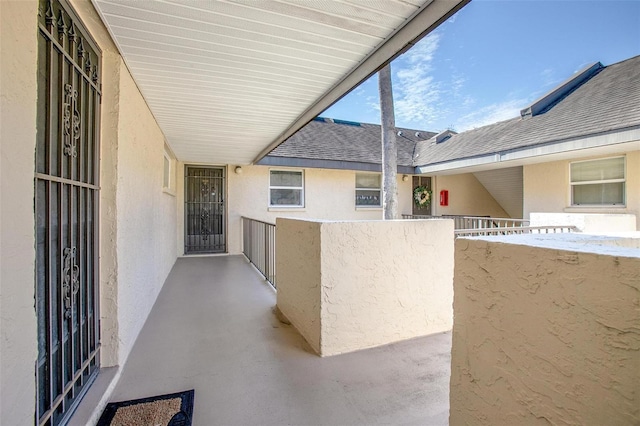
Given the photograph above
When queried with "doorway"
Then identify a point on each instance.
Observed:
(204, 210)
(421, 181)
(67, 192)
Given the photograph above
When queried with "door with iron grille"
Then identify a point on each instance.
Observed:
(66, 207)
(204, 210)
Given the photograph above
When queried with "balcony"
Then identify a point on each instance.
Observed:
(213, 329)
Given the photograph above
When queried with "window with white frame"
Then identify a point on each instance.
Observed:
(598, 182)
(166, 176)
(368, 193)
(286, 188)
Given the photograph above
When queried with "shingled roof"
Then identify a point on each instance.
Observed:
(329, 140)
(608, 101)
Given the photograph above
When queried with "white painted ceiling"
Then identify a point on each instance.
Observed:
(229, 80)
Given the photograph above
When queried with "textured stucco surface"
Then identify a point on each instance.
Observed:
(352, 285)
(544, 334)
(467, 197)
(329, 195)
(546, 188)
(298, 263)
(18, 329)
(146, 214)
(138, 220)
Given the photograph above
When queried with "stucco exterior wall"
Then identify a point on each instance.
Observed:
(18, 329)
(545, 333)
(133, 266)
(467, 197)
(352, 285)
(329, 195)
(547, 189)
(146, 214)
(138, 220)
(299, 276)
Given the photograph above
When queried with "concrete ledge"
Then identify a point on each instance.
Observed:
(97, 397)
(353, 285)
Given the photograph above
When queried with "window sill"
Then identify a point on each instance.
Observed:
(287, 209)
(369, 208)
(595, 209)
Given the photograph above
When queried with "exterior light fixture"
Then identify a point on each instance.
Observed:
(238, 170)
(405, 178)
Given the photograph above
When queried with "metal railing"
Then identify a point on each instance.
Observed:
(514, 230)
(475, 222)
(259, 246)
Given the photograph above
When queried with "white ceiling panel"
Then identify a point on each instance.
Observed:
(228, 80)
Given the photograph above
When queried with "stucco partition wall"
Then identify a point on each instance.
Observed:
(467, 196)
(361, 284)
(18, 330)
(545, 331)
(329, 195)
(546, 188)
(298, 263)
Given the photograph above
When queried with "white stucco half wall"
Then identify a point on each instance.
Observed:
(352, 285)
(588, 223)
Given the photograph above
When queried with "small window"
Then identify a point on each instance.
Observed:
(598, 182)
(368, 192)
(286, 188)
(166, 177)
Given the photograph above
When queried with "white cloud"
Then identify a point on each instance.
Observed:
(374, 103)
(416, 94)
(491, 114)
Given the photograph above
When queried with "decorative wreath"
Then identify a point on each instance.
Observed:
(422, 196)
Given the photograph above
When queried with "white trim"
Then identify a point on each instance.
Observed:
(169, 189)
(379, 189)
(625, 140)
(598, 182)
(301, 188)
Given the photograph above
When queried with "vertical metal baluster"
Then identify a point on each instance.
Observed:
(50, 279)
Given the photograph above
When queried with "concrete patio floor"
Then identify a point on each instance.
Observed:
(212, 329)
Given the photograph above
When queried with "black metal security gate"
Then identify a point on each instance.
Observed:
(204, 210)
(66, 205)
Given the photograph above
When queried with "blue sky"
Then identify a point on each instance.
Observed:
(493, 58)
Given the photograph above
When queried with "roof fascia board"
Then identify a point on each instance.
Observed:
(426, 19)
(630, 135)
(326, 164)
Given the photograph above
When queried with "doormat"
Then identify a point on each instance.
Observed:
(174, 409)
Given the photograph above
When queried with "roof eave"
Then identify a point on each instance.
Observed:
(429, 17)
(627, 138)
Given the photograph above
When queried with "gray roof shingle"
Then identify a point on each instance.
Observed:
(323, 139)
(608, 101)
